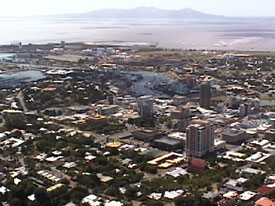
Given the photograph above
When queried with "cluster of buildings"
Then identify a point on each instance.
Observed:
(220, 123)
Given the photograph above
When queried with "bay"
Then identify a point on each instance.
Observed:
(220, 34)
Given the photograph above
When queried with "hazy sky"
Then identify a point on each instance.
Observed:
(221, 7)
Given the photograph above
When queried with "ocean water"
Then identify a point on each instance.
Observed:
(15, 79)
(6, 56)
(225, 34)
(140, 87)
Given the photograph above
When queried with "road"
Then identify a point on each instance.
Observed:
(3, 122)
(21, 100)
(101, 137)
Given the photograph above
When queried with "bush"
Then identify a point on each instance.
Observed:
(154, 203)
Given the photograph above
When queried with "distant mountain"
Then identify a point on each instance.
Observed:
(143, 12)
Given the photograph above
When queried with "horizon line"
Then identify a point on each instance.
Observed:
(139, 7)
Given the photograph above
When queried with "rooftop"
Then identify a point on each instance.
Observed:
(168, 141)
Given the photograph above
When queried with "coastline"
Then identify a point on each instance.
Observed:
(130, 44)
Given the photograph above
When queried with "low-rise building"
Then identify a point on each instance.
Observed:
(167, 160)
(97, 120)
(265, 190)
(166, 143)
(264, 201)
(233, 136)
(249, 172)
(233, 185)
(196, 164)
(179, 100)
(109, 110)
(270, 179)
(219, 144)
(53, 111)
(79, 109)
(12, 113)
(270, 135)
(145, 135)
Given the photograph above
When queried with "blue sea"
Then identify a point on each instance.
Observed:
(225, 34)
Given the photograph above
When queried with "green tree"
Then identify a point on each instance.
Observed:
(41, 195)
(78, 193)
(15, 202)
(193, 201)
(113, 191)
(154, 203)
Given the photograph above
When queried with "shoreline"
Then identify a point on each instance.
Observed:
(129, 44)
(9, 66)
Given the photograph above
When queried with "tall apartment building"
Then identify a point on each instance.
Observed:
(245, 109)
(190, 80)
(145, 106)
(205, 95)
(200, 138)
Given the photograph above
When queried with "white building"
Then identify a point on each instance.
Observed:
(200, 138)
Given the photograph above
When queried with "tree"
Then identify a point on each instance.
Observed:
(271, 195)
(42, 145)
(193, 201)
(89, 181)
(78, 193)
(148, 168)
(114, 151)
(15, 202)
(41, 196)
(255, 182)
(112, 191)
(12, 122)
(29, 189)
(154, 203)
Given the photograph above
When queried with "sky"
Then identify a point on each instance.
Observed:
(19, 8)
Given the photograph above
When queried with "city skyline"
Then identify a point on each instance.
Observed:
(16, 8)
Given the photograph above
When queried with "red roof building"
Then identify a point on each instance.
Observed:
(265, 190)
(264, 201)
(196, 164)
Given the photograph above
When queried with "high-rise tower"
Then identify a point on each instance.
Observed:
(200, 138)
(205, 95)
(145, 106)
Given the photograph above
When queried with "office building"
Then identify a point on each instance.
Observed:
(145, 106)
(190, 80)
(182, 117)
(200, 138)
(205, 95)
(245, 109)
(63, 44)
